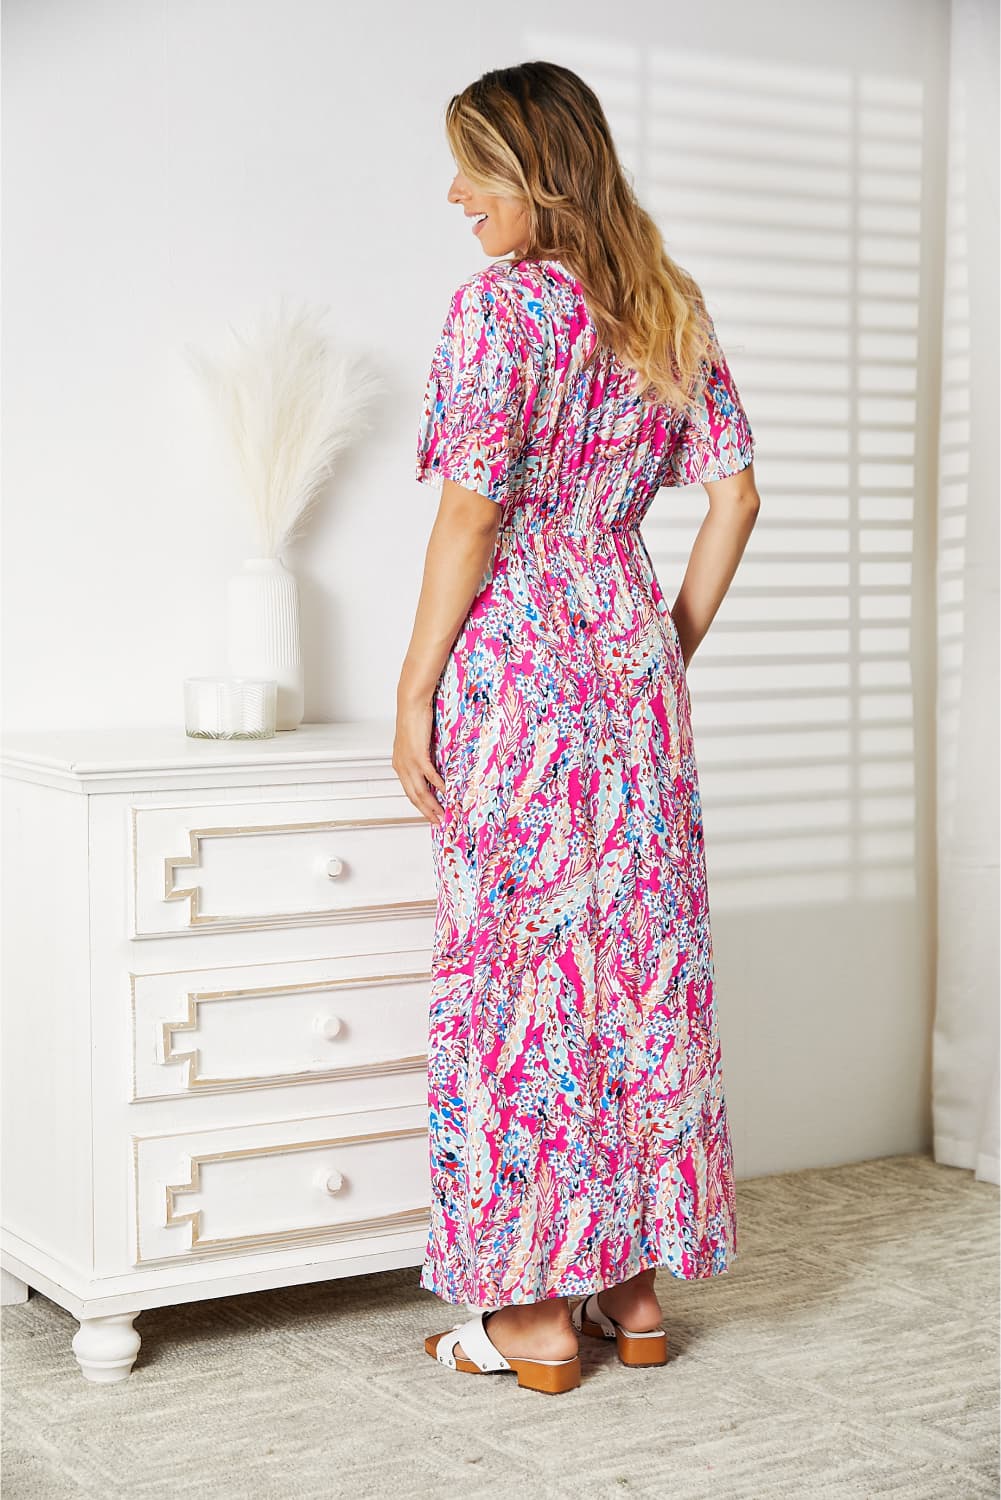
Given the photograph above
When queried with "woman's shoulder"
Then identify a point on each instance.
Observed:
(541, 297)
(488, 283)
(500, 294)
(528, 281)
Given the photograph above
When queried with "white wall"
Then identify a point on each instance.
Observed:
(171, 168)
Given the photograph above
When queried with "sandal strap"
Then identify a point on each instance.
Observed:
(590, 1310)
(475, 1343)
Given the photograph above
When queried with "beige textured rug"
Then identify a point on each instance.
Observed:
(851, 1351)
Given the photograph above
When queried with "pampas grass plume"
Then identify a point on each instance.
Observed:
(290, 405)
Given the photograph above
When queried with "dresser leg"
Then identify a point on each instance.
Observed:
(12, 1288)
(106, 1348)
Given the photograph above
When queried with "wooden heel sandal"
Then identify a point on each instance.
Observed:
(551, 1376)
(634, 1349)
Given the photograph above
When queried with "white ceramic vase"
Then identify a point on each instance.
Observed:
(263, 631)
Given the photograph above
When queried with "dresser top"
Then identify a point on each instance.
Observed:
(119, 759)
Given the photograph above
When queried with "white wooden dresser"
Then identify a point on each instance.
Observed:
(214, 1019)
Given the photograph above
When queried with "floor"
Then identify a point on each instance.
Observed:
(852, 1350)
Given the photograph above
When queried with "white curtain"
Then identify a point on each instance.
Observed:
(965, 1039)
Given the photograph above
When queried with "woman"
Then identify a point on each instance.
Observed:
(578, 1127)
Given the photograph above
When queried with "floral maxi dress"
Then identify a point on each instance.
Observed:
(578, 1125)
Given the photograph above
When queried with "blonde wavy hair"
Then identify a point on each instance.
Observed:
(538, 134)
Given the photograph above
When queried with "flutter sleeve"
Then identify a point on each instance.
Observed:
(478, 394)
(715, 438)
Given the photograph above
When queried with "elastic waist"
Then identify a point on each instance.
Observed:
(547, 528)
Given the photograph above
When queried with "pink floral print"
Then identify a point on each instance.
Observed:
(578, 1124)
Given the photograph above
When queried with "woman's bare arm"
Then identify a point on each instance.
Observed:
(719, 545)
(460, 547)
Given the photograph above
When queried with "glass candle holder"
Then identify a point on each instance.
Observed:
(230, 708)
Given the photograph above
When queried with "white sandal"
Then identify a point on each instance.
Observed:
(635, 1349)
(482, 1357)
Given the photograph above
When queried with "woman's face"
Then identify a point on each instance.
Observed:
(505, 228)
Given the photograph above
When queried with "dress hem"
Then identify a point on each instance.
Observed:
(429, 1284)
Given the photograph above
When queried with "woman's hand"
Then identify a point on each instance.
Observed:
(412, 759)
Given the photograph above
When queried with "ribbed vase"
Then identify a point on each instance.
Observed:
(263, 630)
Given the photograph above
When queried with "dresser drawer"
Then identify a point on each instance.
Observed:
(249, 1188)
(259, 864)
(221, 1030)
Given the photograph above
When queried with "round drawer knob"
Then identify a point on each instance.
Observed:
(329, 1026)
(333, 1181)
(335, 867)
